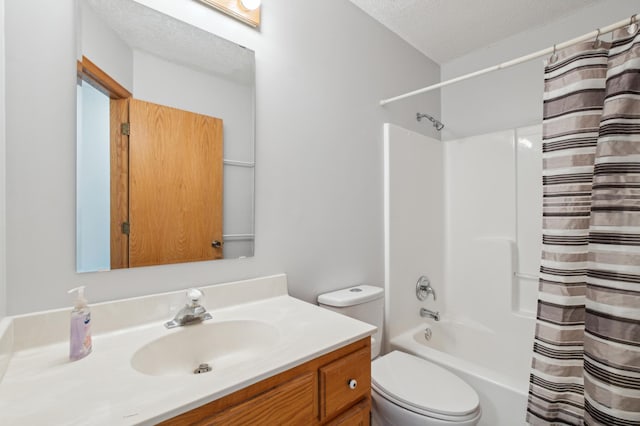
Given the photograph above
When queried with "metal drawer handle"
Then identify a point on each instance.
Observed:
(353, 384)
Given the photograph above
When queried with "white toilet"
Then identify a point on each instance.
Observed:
(406, 390)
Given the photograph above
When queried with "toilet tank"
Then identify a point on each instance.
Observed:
(362, 302)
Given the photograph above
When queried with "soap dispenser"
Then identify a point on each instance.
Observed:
(80, 338)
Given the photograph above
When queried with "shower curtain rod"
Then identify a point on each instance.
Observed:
(538, 54)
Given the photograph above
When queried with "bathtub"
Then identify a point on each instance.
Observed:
(498, 369)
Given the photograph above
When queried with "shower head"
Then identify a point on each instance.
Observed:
(436, 123)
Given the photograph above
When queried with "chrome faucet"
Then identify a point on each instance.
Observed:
(426, 313)
(193, 312)
(424, 289)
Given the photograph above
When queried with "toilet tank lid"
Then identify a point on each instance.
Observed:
(351, 296)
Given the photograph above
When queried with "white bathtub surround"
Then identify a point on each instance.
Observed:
(494, 237)
(6, 344)
(38, 365)
(414, 230)
(487, 256)
(496, 177)
(528, 218)
(489, 187)
(494, 229)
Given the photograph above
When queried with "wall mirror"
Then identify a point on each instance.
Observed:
(165, 140)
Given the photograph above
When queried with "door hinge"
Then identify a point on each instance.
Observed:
(126, 228)
(125, 128)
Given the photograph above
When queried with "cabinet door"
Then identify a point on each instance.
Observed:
(344, 382)
(291, 403)
(355, 416)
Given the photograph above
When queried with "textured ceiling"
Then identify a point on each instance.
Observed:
(446, 29)
(145, 29)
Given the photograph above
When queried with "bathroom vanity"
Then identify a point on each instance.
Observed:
(334, 389)
(274, 360)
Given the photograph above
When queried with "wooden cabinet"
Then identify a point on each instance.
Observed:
(334, 389)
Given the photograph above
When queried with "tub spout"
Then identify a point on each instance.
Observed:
(426, 313)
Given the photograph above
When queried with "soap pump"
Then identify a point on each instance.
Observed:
(80, 337)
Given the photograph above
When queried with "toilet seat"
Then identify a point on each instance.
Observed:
(423, 387)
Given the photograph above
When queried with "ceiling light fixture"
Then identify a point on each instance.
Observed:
(247, 11)
(250, 4)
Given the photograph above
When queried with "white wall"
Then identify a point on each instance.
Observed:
(102, 46)
(3, 180)
(414, 231)
(513, 97)
(201, 92)
(321, 68)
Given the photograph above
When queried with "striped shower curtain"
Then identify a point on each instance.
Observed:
(586, 357)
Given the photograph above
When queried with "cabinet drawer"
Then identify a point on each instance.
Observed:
(291, 403)
(344, 382)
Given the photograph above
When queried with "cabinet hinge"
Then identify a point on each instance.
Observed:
(125, 128)
(126, 228)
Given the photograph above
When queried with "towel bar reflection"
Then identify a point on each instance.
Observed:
(238, 237)
(525, 276)
(249, 164)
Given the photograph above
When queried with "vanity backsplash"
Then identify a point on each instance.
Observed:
(44, 328)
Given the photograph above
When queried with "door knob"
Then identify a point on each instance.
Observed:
(216, 244)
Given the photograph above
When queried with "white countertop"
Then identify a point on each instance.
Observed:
(41, 386)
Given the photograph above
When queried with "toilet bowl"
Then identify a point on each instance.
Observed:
(405, 390)
(410, 391)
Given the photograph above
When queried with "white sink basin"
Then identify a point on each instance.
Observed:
(218, 344)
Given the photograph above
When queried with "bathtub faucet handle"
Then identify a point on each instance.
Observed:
(424, 289)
